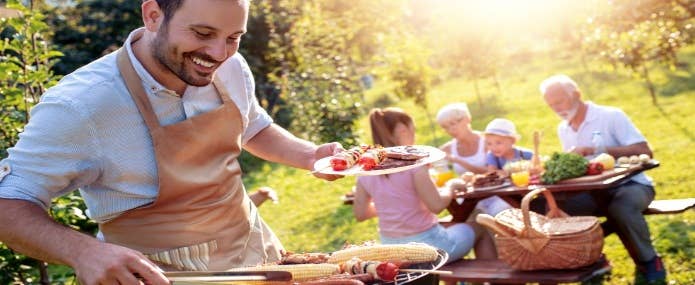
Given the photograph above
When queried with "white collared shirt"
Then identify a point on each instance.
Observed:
(87, 133)
(616, 130)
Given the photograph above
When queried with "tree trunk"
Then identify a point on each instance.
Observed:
(477, 92)
(433, 127)
(582, 57)
(43, 270)
(650, 85)
(497, 83)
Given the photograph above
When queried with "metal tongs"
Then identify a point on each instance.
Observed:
(224, 277)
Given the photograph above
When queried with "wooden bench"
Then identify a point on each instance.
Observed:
(496, 271)
(672, 206)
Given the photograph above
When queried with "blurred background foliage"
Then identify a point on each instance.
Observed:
(313, 60)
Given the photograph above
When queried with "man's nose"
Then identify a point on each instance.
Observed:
(219, 50)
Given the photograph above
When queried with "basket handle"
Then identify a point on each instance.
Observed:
(489, 222)
(553, 212)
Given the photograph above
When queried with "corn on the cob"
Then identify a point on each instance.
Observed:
(300, 272)
(397, 253)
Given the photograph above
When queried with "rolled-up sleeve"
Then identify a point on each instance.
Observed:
(55, 154)
(258, 118)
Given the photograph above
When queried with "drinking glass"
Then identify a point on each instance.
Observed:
(521, 178)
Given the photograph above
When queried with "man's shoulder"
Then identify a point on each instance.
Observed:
(91, 83)
(93, 88)
(605, 109)
(235, 61)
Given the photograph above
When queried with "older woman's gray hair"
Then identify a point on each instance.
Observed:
(452, 112)
(565, 82)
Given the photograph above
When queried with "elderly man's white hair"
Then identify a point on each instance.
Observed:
(452, 112)
(566, 83)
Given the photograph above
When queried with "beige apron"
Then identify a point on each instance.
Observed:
(202, 218)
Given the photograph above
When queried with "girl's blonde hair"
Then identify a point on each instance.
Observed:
(384, 121)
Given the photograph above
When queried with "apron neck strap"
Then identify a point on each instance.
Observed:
(137, 92)
(221, 90)
(134, 85)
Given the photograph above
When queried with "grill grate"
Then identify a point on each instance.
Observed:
(407, 277)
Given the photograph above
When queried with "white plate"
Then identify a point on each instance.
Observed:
(324, 165)
(493, 187)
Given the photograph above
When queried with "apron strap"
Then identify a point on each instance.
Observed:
(134, 85)
(221, 90)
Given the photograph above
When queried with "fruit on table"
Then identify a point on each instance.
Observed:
(594, 168)
(623, 160)
(607, 160)
(644, 158)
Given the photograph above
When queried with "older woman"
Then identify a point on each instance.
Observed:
(467, 148)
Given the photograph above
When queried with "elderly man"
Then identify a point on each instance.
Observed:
(150, 134)
(624, 204)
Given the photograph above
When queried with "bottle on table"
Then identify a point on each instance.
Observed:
(597, 143)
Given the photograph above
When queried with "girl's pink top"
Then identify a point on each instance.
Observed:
(401, 212)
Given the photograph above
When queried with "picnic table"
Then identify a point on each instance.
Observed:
(461, 207)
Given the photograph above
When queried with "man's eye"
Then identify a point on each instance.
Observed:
(201, 34)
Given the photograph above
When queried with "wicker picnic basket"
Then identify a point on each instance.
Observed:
(529, 241)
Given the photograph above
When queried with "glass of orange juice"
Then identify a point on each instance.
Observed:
(521, 178)
(443, 177)
(441, 173)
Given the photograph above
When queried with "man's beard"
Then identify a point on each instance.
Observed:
(571, 113)
(160, 50)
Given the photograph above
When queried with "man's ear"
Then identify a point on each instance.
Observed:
(152, 15)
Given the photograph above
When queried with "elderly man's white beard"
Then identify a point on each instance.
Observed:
(569, 114)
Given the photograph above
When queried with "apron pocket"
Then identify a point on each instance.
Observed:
(187, 258)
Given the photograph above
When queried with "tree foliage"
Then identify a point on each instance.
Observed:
(25, 69)
(25, 73)
(316, 53)
(636, 33)
(91, 28)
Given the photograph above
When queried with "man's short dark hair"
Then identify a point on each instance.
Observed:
(169, 7)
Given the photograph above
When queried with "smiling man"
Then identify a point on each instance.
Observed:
(150, 135)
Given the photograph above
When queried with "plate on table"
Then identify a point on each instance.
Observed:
(324, 165)
(492, 187)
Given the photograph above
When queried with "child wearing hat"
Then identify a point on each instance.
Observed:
(500, 139)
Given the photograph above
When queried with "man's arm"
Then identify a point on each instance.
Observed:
(616, 151)
(27, 228)
(278, 145)
(628, 150)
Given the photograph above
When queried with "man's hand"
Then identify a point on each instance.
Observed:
(582, 150)
(105, 263)
(324, 150)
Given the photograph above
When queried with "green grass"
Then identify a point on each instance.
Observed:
(311, 216)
